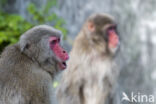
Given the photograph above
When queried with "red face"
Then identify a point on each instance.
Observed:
(113, 39)
(59, 52)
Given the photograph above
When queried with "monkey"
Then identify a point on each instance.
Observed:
(91, 72)
(27, 68)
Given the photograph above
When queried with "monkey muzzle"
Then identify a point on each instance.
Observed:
(62, 65)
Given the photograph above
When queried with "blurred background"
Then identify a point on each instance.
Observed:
(136, 24)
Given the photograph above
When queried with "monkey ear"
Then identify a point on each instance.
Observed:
(90, 26)
(23, 43)
(24, 46)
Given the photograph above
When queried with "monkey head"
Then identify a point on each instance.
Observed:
(42, 45)
(101, 31)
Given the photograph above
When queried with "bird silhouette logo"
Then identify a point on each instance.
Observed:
(125, 97)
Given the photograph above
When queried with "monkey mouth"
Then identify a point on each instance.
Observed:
(62, 65)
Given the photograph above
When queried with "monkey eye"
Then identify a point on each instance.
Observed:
(53, 42)
(113, 27)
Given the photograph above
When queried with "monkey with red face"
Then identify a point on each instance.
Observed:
(91, 72)
(28, 67)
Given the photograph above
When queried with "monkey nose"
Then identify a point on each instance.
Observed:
(64, 51)
(66, 56)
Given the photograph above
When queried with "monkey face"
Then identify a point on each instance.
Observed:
(103, 34)
(52, 53)
(60, 54)
(113, 38)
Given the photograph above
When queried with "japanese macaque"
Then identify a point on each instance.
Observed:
(91, 72)
(28, 67)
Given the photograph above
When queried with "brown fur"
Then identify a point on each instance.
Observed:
(90, 75)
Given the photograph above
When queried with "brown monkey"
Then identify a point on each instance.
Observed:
(28, 67)
(90, 75)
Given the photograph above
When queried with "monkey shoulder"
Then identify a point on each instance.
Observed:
(14, 65)
(12, 58)
(18, 76)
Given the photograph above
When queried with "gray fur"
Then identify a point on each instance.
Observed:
(28, 67)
